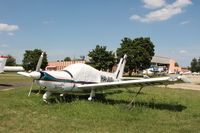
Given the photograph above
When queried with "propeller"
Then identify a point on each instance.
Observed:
(31, 88)
(39, 62)
(24, 74)
(35, 74)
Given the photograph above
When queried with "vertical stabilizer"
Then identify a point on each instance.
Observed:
(120, 69)
(2, 63)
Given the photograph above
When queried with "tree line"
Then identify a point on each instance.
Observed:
(195, 65)
(139, 54)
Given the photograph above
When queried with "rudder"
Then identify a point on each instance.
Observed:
(120, 69)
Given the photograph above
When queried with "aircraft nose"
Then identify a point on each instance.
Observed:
(35, 75)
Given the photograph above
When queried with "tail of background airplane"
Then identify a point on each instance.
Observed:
(120, 69)
(2, 62)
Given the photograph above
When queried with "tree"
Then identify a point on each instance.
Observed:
(101, 59)
(67, 59)
(11, 61)
(139, 53)
(198, 65)
(194, 64)
(176, 64)
(82, 57)
(31, 58)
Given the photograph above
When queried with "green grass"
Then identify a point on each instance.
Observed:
(155, 110)
(13, 77)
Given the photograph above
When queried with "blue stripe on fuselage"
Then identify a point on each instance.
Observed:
(48, 77)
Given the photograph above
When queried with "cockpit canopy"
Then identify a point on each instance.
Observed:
(83, 72)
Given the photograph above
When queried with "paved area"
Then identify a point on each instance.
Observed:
(4, 87)
(194, 85)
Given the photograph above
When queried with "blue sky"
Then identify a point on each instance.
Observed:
(73, 27)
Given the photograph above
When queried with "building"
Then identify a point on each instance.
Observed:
(2, 63)
(13, 68)
(56, 66)
(168, 63)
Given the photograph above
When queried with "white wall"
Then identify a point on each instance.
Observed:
(13, 68)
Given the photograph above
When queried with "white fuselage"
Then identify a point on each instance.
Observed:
(71, 77)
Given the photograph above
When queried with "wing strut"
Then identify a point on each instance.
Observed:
(130, 105)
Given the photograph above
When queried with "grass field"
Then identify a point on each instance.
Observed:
(155, 110)
(12, 77)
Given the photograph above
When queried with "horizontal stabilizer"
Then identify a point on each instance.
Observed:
(184, 79)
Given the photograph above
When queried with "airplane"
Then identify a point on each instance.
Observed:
(84, 78)
(155, 70)
(195, 73)
(2, 63)
(185, 73)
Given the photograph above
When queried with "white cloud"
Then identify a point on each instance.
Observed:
(136, 17)
(158, 15)
(181, 3)
(3, 45)
(154, 3)
(47, 22)
(165, 13)
(10, 34)
(6, 27)
(183, 51)
(185, 22)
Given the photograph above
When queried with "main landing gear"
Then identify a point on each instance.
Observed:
(45, 96)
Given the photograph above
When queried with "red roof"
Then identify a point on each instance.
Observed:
(3, 56)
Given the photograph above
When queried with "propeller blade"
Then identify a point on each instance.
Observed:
(31, 88)
(24, 74)
(39, 62)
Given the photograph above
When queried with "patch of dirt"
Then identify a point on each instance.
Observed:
(4, 87)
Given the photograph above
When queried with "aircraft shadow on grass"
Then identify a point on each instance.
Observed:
(101, 97)
(5, 86)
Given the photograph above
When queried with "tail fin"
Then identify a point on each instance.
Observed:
(120, 69)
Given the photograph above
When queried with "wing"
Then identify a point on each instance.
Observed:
(134, 78)
(131, 78)
(141, 82)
